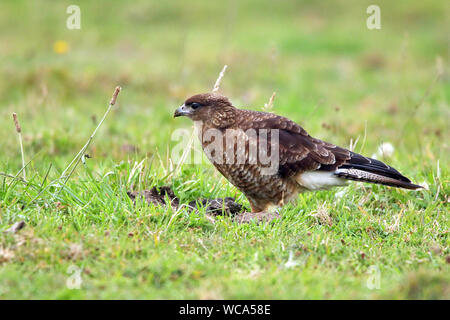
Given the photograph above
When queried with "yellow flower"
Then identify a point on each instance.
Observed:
(60, 47)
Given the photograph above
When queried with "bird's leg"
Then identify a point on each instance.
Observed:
(258, 215)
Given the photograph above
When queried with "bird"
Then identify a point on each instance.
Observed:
(233, 139)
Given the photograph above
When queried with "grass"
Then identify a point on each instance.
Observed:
(339, 80)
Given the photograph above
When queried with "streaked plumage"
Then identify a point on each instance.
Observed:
(305, 163)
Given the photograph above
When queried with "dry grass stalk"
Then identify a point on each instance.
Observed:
(322, 215)
(219, 79)
(269, 106)
(185, 154)
(19, 133)
(76, 160)
(6, 254)
(396, 225)
(114, 96)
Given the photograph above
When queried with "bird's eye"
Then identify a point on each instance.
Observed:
(195, 105)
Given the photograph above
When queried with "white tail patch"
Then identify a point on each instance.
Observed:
(317, 180)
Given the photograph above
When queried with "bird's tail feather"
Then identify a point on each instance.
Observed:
(367, 176)
(365, 169)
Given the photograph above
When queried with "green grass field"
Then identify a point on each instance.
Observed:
(332, 75)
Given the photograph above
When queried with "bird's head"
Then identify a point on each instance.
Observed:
(204, 107)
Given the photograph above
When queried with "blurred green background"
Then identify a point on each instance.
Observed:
(318, 56)
(332, 75)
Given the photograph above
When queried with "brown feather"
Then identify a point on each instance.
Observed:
(298, 153)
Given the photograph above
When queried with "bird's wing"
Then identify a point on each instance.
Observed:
(300, 153)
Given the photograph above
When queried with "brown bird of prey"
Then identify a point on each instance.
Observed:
(292, 162)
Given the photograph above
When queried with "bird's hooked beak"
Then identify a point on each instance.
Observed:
(182, 111)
